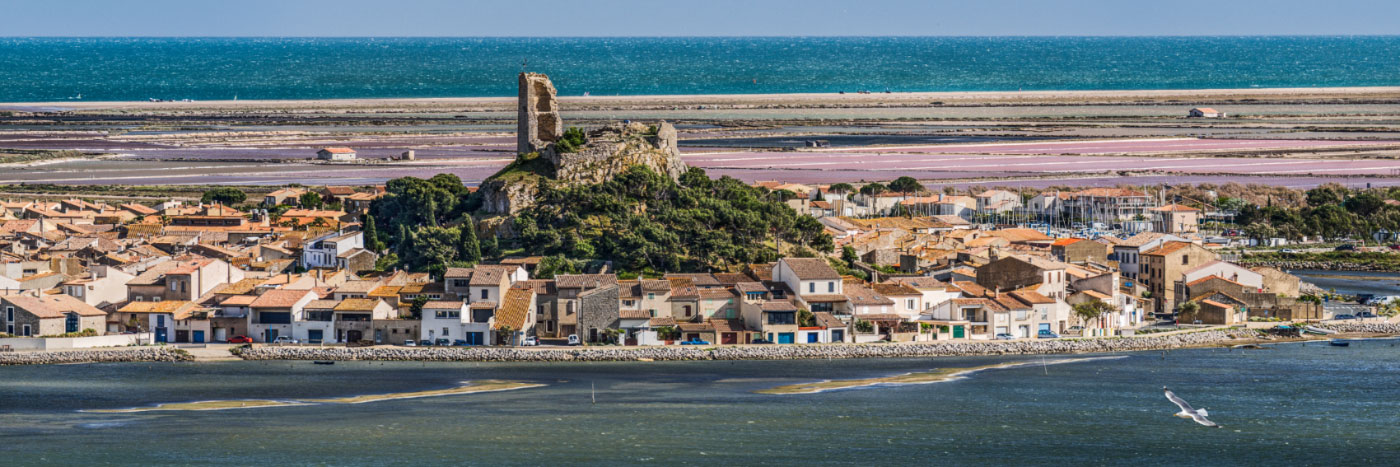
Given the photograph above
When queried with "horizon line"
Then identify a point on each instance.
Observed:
(756, 36)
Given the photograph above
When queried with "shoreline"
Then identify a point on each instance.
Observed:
(1387, 92)
(1210, 338)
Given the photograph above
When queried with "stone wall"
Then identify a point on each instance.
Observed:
(598, 309)
(614, 148)
(537, 116)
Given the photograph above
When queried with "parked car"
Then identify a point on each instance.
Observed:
(1344, 316)
(695, 342)
(285, 340)
(442, 341)
(240, 340)
(410, 343)
(425, 343)
(1005, 337)
(531, 341)
(761, 341)
(1366, 314)
(459, 343)
(1288, 250)
(1345, 247)
(1044, 334)
(573, 339)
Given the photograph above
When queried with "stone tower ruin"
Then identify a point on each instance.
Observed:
(538, 122)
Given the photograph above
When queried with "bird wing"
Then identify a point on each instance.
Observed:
(1199, 418)
(1171, 396)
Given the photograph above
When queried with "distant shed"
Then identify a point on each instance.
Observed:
(1205, 112)
(336, 154)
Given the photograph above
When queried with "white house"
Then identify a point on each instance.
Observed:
(455, 320)
(104, 285)
(272, 313)
(331, 249)
(1225, 270)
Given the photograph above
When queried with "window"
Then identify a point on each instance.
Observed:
(444, 332)
(26, 331)
(687, 311)
(1185, 260)
(811, 287)
(485, 294)
(830, 287)
(160, 321)
(651, 296)
(910, 304)
(10, 314)
(174, 286)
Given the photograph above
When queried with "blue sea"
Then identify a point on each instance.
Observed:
(122, 69)
(1293, 404)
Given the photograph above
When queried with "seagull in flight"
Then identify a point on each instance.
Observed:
(1199, 415)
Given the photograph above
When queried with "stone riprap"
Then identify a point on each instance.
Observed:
(136, 354)
(767, 352)
(1369, 328)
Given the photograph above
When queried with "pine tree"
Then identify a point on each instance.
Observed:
(468, 248)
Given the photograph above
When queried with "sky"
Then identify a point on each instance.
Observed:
(463, 18)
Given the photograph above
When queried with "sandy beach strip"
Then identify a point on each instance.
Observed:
(850, 99)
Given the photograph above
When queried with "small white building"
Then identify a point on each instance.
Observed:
(336, 154)
(1205, 112)
(455, 320)
(331, 250)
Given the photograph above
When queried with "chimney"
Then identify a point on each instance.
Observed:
(996, 292)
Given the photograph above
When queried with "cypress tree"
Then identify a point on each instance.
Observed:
(468, 248)
(372, 235)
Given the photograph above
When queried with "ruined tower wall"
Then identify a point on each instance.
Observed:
(537, 115)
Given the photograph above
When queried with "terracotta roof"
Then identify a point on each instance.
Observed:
(662, 321)
(321, 304)
(53, 306)
(1175, 208)
(1167, 248)
(279, 298)
(1066, 241)
(182, 309)
(778, 305)
(716, 294)
(700, 280)
(728, 325)
(895, 289)
(811, 268)
(1033, 298)
(239, 300)
(827, 320)
(634, 314)
(824, 298)
(1216, 304)
(655, 285)
(515, 308)
(339, 150)
(578, 281)
(357, 304)
(443, 304)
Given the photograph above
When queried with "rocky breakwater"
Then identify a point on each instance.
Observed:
(756, 352)
(135, 354)
(1360, 327)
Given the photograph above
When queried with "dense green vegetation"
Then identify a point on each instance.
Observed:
(646, 222)
(227, 196)
(573, 139)
(14, 156)
(1329, 211)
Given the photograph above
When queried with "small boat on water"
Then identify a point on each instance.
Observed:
(324, 362)
(1338, 343)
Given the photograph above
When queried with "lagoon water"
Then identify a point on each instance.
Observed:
(1301, 404)
(56, 69)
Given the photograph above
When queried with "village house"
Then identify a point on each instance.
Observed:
(1176, 219)
(49, 315)
(167, 320)
(515, 318)
(273, 313)
(284, 196)
(1164, 266)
